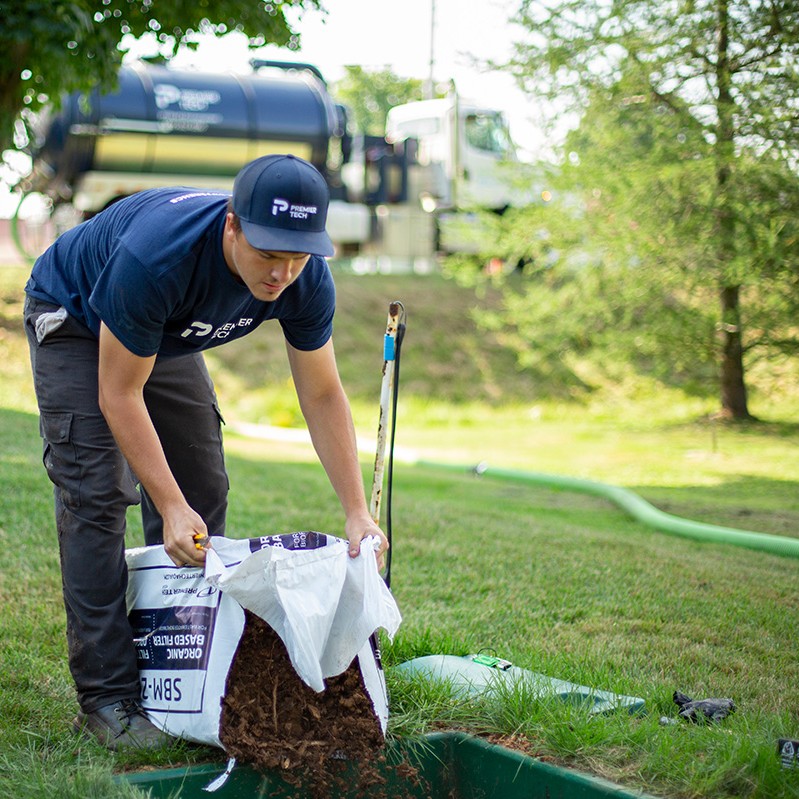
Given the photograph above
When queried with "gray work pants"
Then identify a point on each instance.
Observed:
(94, 486)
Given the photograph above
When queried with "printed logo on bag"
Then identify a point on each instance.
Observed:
(173, 647)
(175, 638)
(306, 539)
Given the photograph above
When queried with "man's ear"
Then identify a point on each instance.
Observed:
(231, 224)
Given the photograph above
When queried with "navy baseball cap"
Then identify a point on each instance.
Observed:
(282, 201)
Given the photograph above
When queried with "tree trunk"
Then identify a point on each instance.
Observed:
(10, 104)
(12, 91)
(733, 387)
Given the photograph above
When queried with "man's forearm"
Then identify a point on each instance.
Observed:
(121, 379)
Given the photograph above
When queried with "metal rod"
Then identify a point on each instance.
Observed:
(389, 362)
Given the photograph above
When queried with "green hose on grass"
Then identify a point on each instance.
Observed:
(641, 510)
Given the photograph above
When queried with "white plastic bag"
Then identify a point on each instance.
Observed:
(323, 604)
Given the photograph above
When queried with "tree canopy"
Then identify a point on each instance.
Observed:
(51, 47)
(679, 185)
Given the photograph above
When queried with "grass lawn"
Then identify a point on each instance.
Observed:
(558, 582)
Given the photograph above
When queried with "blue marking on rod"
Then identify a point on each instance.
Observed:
(388, 348)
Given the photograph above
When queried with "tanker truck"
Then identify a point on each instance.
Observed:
(392, 198)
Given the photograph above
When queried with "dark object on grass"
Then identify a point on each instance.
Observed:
(788, 751)
(712, 709)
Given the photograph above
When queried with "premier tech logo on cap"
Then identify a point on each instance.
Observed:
(280, 206)
(281, 202)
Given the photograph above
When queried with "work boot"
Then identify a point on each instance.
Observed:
(121, 725)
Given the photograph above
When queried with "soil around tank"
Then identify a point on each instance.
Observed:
(319, 742)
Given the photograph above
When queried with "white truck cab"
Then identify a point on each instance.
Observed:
(463, 152)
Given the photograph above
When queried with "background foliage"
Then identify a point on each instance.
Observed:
(670, 229)
(52, 47)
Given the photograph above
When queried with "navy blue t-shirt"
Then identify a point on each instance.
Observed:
(151, 267)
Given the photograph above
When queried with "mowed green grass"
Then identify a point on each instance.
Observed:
(558, 582)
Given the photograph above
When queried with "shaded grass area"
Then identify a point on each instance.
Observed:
(761, 504)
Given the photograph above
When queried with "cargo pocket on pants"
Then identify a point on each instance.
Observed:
(59, 455)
